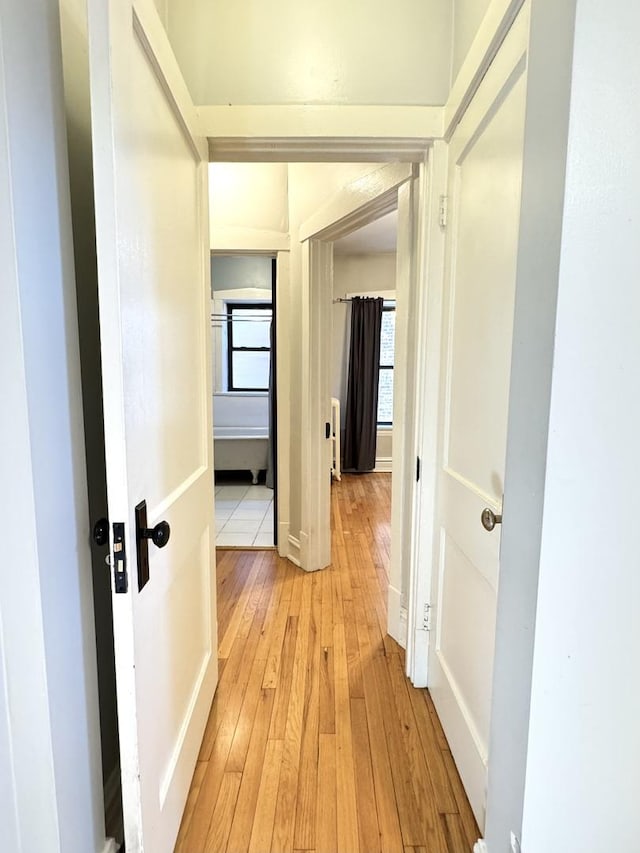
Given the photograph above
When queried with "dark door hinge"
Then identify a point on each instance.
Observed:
(417, 469)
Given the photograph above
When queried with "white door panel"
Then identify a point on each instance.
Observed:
(485, 167)
(152, 240)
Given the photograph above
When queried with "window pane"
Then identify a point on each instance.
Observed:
(254, 331)
(387, 338)
(251, 370)
(385, 396)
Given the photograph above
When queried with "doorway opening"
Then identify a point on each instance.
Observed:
(363, 360)
(244, 359)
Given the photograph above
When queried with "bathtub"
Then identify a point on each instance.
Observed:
(241, 432)
(240, 449)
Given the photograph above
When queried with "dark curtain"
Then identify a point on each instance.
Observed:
(362, 387)
(271, 462)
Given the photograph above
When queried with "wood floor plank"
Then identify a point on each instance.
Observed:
(348, 837)
(425, 760)
(316, 742)
(443, 793)
(262, 830)
(253, 697)
(245, 810)
(368, 828)
(414, 829)
(327, 692)
(467, 820)
(305, 826)
(224, 649)
(222, 817)
(326, 810)
(404, 741)
(285, 676)
(286, 806)
(455, 835)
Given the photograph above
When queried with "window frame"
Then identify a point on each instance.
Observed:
(386, 424)
(243, 305)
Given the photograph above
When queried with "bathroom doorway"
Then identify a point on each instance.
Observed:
(243, 347)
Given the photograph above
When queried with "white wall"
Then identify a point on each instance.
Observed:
(357, 274)
(48, 705)
(585, 696)
(247, 201)
(288, 52)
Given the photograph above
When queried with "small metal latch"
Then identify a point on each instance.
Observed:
(119, 561)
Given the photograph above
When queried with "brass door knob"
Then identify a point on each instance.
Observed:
(489, 519)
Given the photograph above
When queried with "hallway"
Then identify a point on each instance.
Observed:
(316, 741)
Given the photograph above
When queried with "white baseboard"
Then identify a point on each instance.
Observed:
(383, 465)
(293, 552)
(283, 539)
(110, 846)
(397, 619)
(480, 846)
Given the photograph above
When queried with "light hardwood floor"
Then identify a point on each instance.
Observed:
(317, 741)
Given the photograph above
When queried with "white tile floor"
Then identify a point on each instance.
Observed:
(244, 516)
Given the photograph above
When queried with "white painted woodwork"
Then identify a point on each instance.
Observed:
(319, 132)
(496, 23)
(153, 266)
(467, 18)
(405, 407)
(416, 576)
(358, 203)
(283, 383)
(485, 170)
(286, 52)
(317, 277)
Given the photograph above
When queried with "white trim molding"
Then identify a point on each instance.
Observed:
(293, 132)
(293, 551)
(495, 25)
(383, 465)
(283, 539)
(480, 846)
(397, 618)
(110, 846)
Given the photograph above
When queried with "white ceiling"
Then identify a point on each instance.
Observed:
(379, 236)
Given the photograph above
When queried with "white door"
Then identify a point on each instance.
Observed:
(485, 166)
(151, 224)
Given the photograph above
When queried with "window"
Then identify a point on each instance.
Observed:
(248, 345)
(385, 372)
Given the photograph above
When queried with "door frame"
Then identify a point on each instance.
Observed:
(406, 187)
